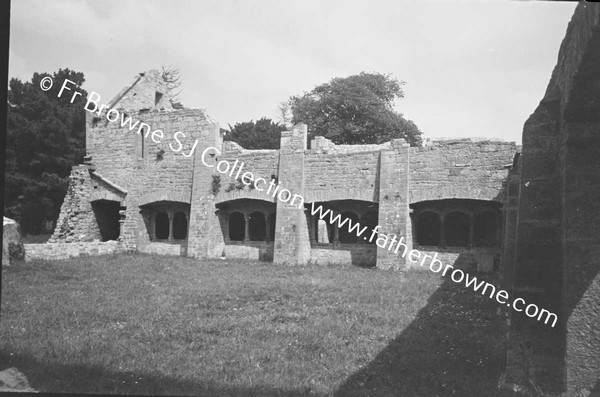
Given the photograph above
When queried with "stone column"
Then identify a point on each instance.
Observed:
(323, 235)
(171, 216)
(292, 243)
(246, 227)
(205, 237)
(394, 216)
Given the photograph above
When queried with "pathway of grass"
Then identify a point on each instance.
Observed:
(158, 325)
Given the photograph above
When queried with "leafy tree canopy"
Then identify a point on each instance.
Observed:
(262, 134)
(358, 109)
(45, 137)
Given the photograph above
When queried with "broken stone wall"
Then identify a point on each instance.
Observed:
(149, 170)
(76, 221)
(460, 168)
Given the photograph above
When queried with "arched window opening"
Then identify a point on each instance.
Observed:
(258, 226)
(237, 227)
(162, 226)
(485, 229)
(428, 229)
(179, 226)
(346, 236)
(456, 229)
(369, 220)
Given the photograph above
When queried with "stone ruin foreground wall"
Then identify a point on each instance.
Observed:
(557, 254)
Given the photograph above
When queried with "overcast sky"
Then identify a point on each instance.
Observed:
(471, 68)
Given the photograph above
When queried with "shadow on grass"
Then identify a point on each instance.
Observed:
(48, 377)
(445, 351)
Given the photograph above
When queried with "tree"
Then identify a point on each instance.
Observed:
(45, 137)
(262, 134)
(172, 77)
(285, 113)
(358, 109)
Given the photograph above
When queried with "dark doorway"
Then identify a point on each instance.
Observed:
(107, 217)
(456, 229)
(237, 227)
(485, 229)
(344, 235)
(370, 220)
(179, 226)
(428, 229)
(257, 226)
(162, 226)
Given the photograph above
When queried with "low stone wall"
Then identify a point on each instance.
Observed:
(255, 250)
(161, 249)
(474, 260)
(356, 254)
(55, 251)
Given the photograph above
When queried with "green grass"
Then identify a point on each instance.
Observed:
(160, 325)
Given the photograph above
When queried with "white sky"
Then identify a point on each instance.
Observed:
(472, 68)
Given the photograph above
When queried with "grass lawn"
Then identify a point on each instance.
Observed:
(141, 324)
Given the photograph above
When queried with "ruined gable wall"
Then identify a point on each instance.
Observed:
(115, 150)
(115, 153)
(141, 93)
(459, 168)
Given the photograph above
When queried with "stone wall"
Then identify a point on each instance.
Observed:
(460, 168)
(162, 249)
(345, 175)
(76, 222)
(558, 232)
(56, 251)
(355, 254)
(252, 250)
(292, 241)
(154, 169)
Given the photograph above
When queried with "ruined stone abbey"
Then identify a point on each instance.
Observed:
(143, 195)
(533, 213)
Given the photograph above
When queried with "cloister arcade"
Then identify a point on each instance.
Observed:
(166, 221)
(456, 223)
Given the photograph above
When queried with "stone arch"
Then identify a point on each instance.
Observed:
(164, 195)
(342, 194)
(107, 195)
(254, 194)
